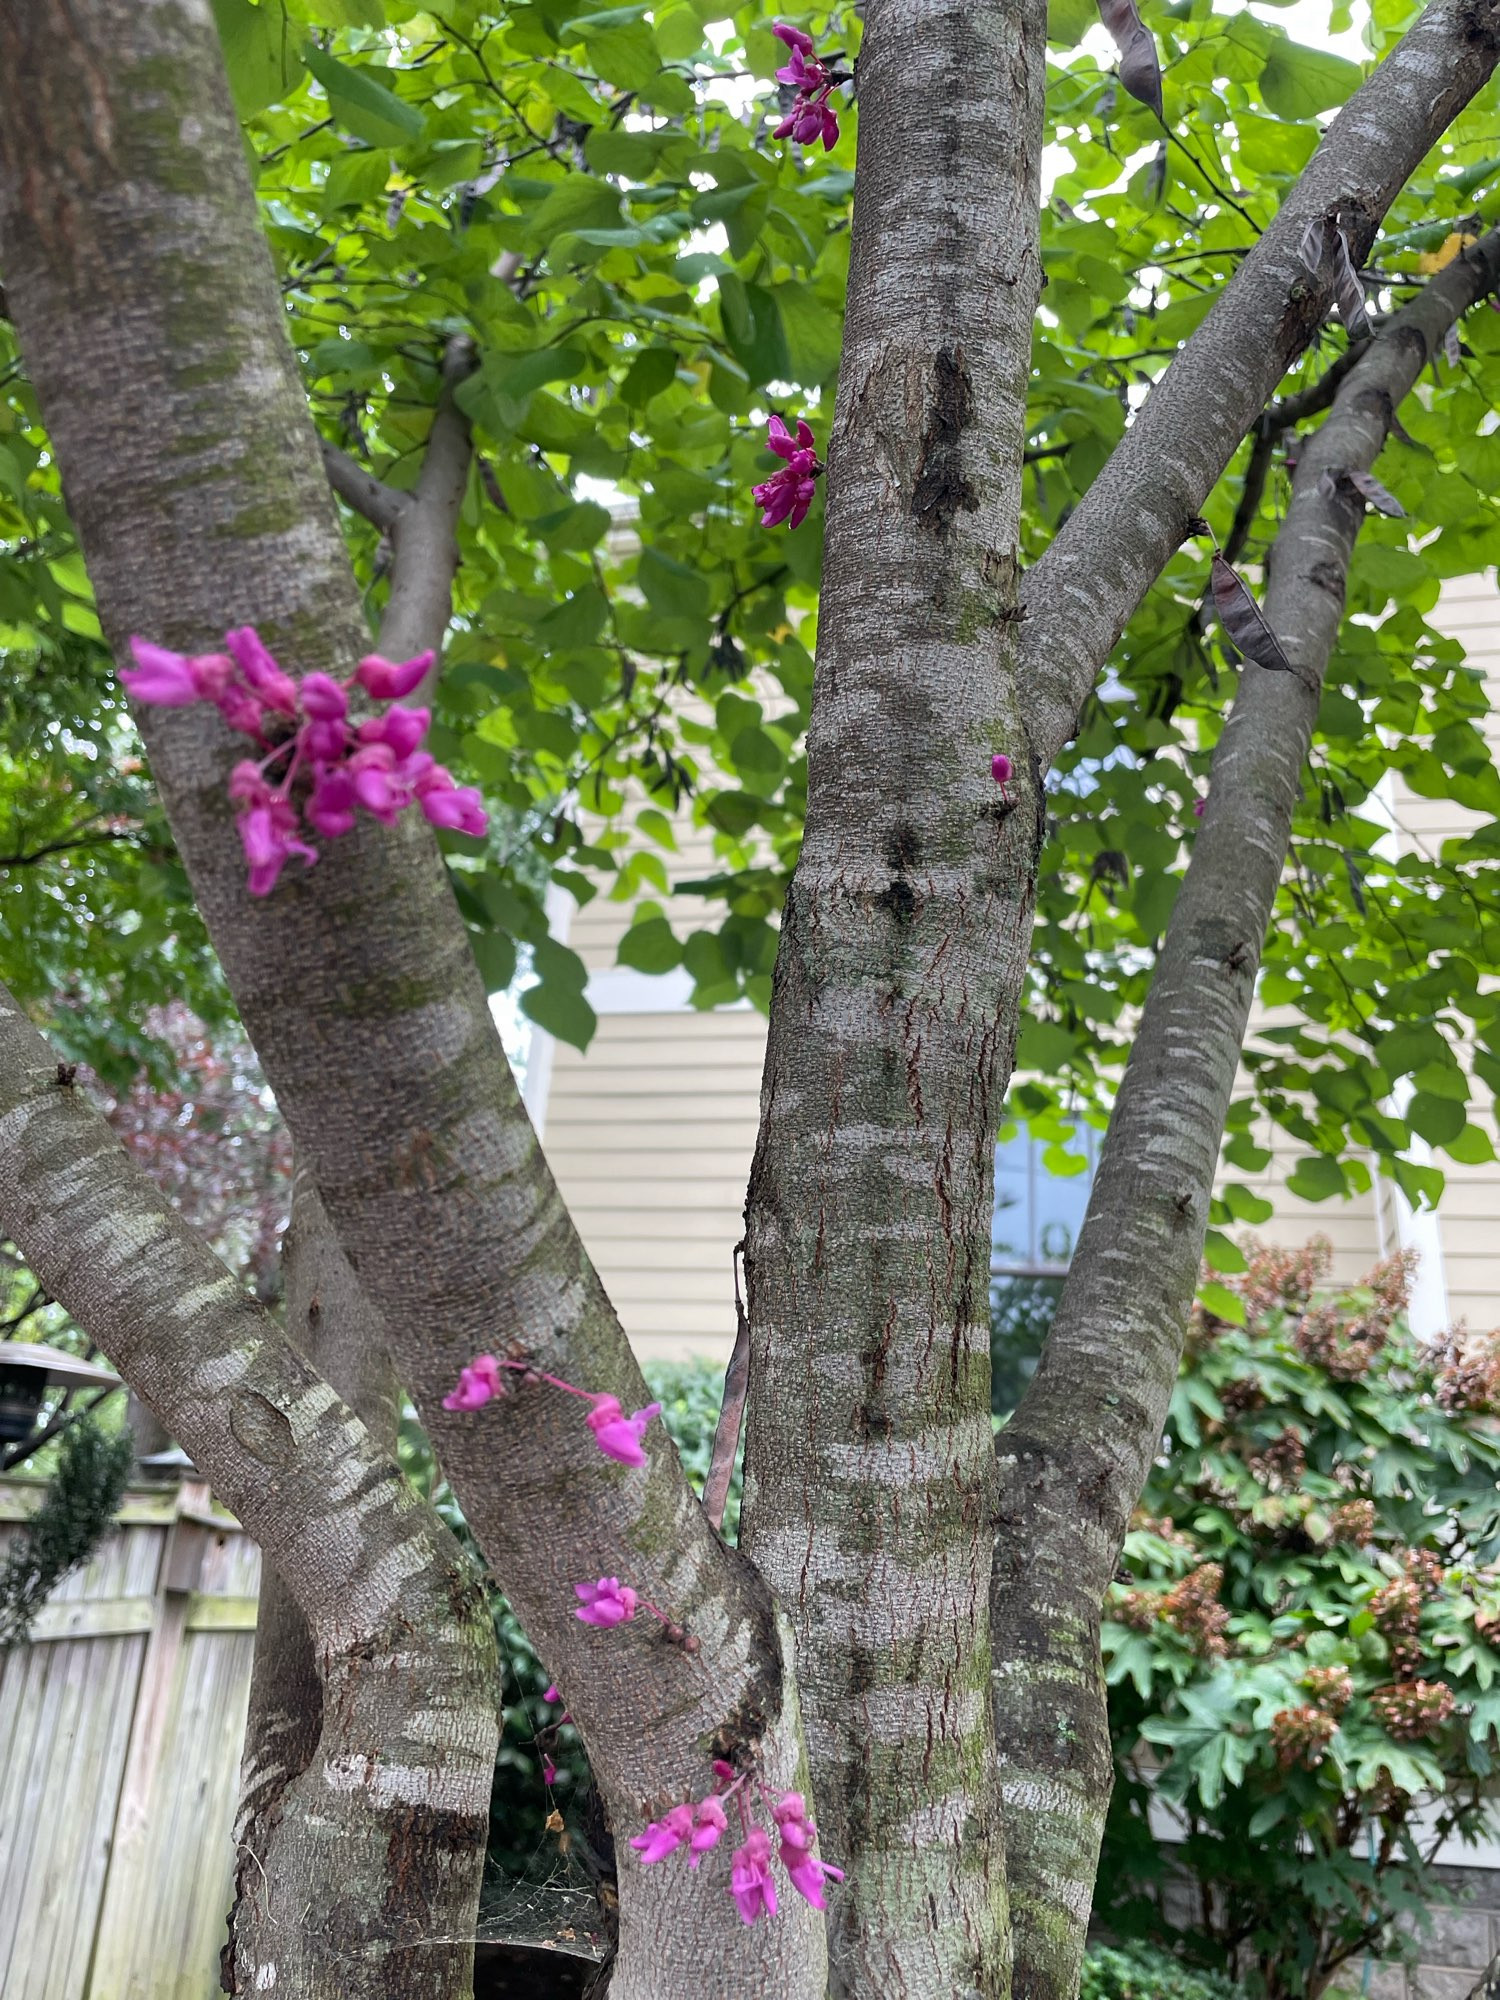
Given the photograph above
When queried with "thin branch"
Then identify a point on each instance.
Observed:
(731, 1410)
(366, 494)
(1136, 513)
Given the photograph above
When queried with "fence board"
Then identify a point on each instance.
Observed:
(120, 1729)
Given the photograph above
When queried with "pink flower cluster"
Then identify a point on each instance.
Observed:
(811, 117)
(751, 1883)
(607, 1602)
(305, 728)
(787, 494)
(617, 1435)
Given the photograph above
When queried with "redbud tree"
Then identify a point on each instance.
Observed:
(494, 237)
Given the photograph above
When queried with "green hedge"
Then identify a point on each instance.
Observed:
(1142, 1972)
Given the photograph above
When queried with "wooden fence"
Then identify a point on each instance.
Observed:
(120, 1730)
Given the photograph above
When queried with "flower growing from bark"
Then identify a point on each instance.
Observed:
(618, 1436)
(787, 494)
(316, 768)
(607, 1602)
(763, 1820)
(811, 117)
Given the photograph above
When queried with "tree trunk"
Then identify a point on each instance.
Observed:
(1075, 1456)
(330, 1321)
(149, 317)
(396, 1802)
(904, 942)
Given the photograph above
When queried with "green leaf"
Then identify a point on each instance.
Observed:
(653, 369)
(364, 106)
(651, 946)
(1435, 1119)
(1299, 82)
(577, 621)
(563, 1012)
(1223, 1254)
(1472, 1148)
(1222, 1303)
(673, 588)
(1318, 1177)
(261, 58)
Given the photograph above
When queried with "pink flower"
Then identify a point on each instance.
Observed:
(164, 679)
(323, 699)
(400, 728)
(663, 1837)
(376, 787)
(709, 1821)
(478, 1384)
(795, 38)
(788, 494)
(619, 1436)
(268, 834)
(1200, 807)
(1000, 767)
(457, 807)
(330, 809)
(811, 117)
(750, 1881)
(550, 1693)
(325, 742)
(240, 709)
(607, 1602)
(804, 1870)
(253, 658)
(389, 681)
(549, 1771)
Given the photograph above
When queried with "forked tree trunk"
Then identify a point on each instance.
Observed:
(389, 1814)
(193, 474)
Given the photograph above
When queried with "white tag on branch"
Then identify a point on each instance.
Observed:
(1140, 71)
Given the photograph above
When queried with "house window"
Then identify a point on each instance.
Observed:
(1038, 1215)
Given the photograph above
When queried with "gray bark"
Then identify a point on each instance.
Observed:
(328, 1316)
(869, 1464)
(1074, 1457)
(194, 478)
(329, 1321)
(386, 1592)
(1113, 546)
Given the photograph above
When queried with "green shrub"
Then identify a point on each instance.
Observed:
(86, 1488)
(1303, 1663)
(1147, 1972)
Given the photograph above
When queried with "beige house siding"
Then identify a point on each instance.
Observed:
(651, 1133)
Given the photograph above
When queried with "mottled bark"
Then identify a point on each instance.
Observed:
(328, 1315)
(386, 1591)
(331, 1322)
(148, 314)
(1124, 530)
(869, 1466)
(1075, 1456)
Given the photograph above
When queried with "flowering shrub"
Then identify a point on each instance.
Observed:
(1301, 1663)
(319, 763)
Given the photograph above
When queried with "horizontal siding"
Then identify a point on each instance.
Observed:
(651, 1134)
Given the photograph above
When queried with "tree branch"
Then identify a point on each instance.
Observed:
(367, 495)
(356, 982)
(425, 535)
(375, 1577)
(1074, 1457)
(1124, 530)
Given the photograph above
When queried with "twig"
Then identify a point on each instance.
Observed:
(731, 1410)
